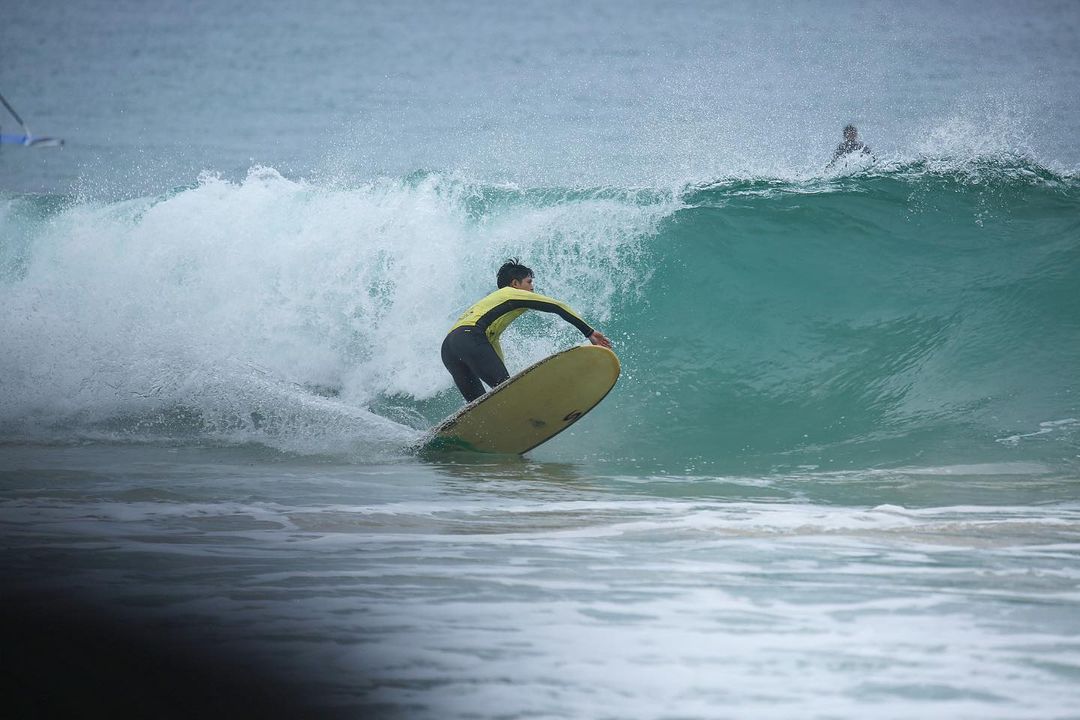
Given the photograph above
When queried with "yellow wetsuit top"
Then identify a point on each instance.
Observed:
(494, 313)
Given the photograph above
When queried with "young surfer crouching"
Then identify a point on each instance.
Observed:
(471, 350)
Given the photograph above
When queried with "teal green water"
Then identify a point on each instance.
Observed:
(899, 315)
(874, 320)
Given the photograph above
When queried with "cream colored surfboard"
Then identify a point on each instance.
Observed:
(533, 406)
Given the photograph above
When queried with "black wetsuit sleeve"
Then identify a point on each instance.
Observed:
(542, 305)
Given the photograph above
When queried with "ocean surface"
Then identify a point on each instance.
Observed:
(838, 478)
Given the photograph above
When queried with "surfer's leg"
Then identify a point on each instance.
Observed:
(467, 383)
(486, 363)
(469, 347)
(453, 352)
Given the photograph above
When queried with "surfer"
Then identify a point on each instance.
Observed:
(471, 350)
(851, 144)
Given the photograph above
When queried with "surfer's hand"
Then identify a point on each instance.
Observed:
(597, 338)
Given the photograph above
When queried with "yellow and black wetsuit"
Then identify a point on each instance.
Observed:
(471, 350)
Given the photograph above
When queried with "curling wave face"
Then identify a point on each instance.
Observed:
(922, 310)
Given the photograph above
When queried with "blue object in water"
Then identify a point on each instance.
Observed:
(30, 140)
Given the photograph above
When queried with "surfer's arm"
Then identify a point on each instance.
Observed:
(546, 304)
(499, 309)
(836, 156)
(563, 310)
(509, 300)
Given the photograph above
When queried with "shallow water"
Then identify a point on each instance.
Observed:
(523, 588)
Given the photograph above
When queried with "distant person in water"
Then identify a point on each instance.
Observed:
(851, 144)
(471, 350)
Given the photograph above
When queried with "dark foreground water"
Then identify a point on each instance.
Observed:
(536, 589)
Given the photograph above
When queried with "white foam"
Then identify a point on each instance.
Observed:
(1045, 428)
(237, 298)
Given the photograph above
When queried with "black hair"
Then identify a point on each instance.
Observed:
(512, 269)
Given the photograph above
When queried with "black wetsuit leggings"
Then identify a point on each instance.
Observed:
(470, 358)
